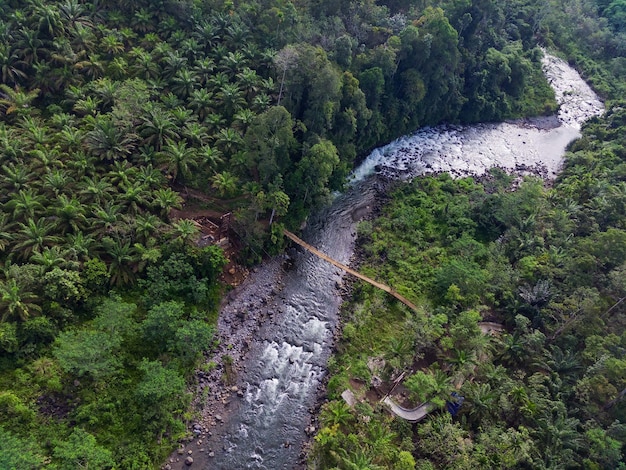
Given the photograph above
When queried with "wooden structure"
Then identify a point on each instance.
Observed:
(325, 257)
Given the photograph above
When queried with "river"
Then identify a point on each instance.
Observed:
(261, 421)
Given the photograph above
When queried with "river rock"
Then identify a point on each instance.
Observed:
(188, 461)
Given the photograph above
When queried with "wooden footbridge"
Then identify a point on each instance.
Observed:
(342, 266)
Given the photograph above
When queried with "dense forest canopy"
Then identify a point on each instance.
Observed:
(112, 110)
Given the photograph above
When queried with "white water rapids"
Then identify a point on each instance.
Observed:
(286, 361)
(537, 143)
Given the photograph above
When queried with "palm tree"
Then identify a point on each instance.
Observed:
(218, 80)
(70, 213)
(381, 440)
(357, 460)
(11, 147)
(29, 47)
(513, 352)
(233, 62)
(88, 106)
(146, 226)
(249, 81)
(91, 67)
(184, 83)
(206, 33)
(15, 177)
(150, 177)
(172, 64)
(166, 200)
(80, 246)
(95, 190)
(9, 66)
(225, 183)
(60, 120)
(56, 182)
(122, 257)
(143, 21)
(70, 137)
(134, 197)
(16, 302)
(6, 230)
(482, 400)
(563, 363)
(170, 100)
(261, 102)
(156, 127)
(177, 160)
(25, 204)
(146, 254)
(195, 133)
(109, 142)
(201, 101)
(183, 116)
(74, 15)
(122, 173)
(400, 351)
(214, 122)
(190, 48)
(52, 257)
(203, 69)
(118, 68)
(107, 217)
(44, 159)
(34, 236)
(186, 231)
(81, 164)
(14, 100)
(210, 156)
(229, 140)
(230, 98)
(106, 90)
(83, 38)
(34, 131)
(336, 412)
(144, 66)
(242, 119)
(48, 18)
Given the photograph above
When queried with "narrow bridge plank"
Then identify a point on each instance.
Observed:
(325, 257)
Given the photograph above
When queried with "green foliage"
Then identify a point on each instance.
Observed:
(8, 337)
(14, 412)
(547, 265)
(19, 454)
(81, 450)
(88, 352)
(176, 278)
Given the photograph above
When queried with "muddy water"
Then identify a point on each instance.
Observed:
(264, 427)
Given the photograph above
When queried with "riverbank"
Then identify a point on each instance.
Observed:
(243, 311)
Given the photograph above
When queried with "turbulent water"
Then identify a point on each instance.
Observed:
(286, 362)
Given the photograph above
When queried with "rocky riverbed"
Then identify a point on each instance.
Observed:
(243, 311)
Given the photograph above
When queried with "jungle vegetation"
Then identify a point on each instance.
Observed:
(110, 109)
